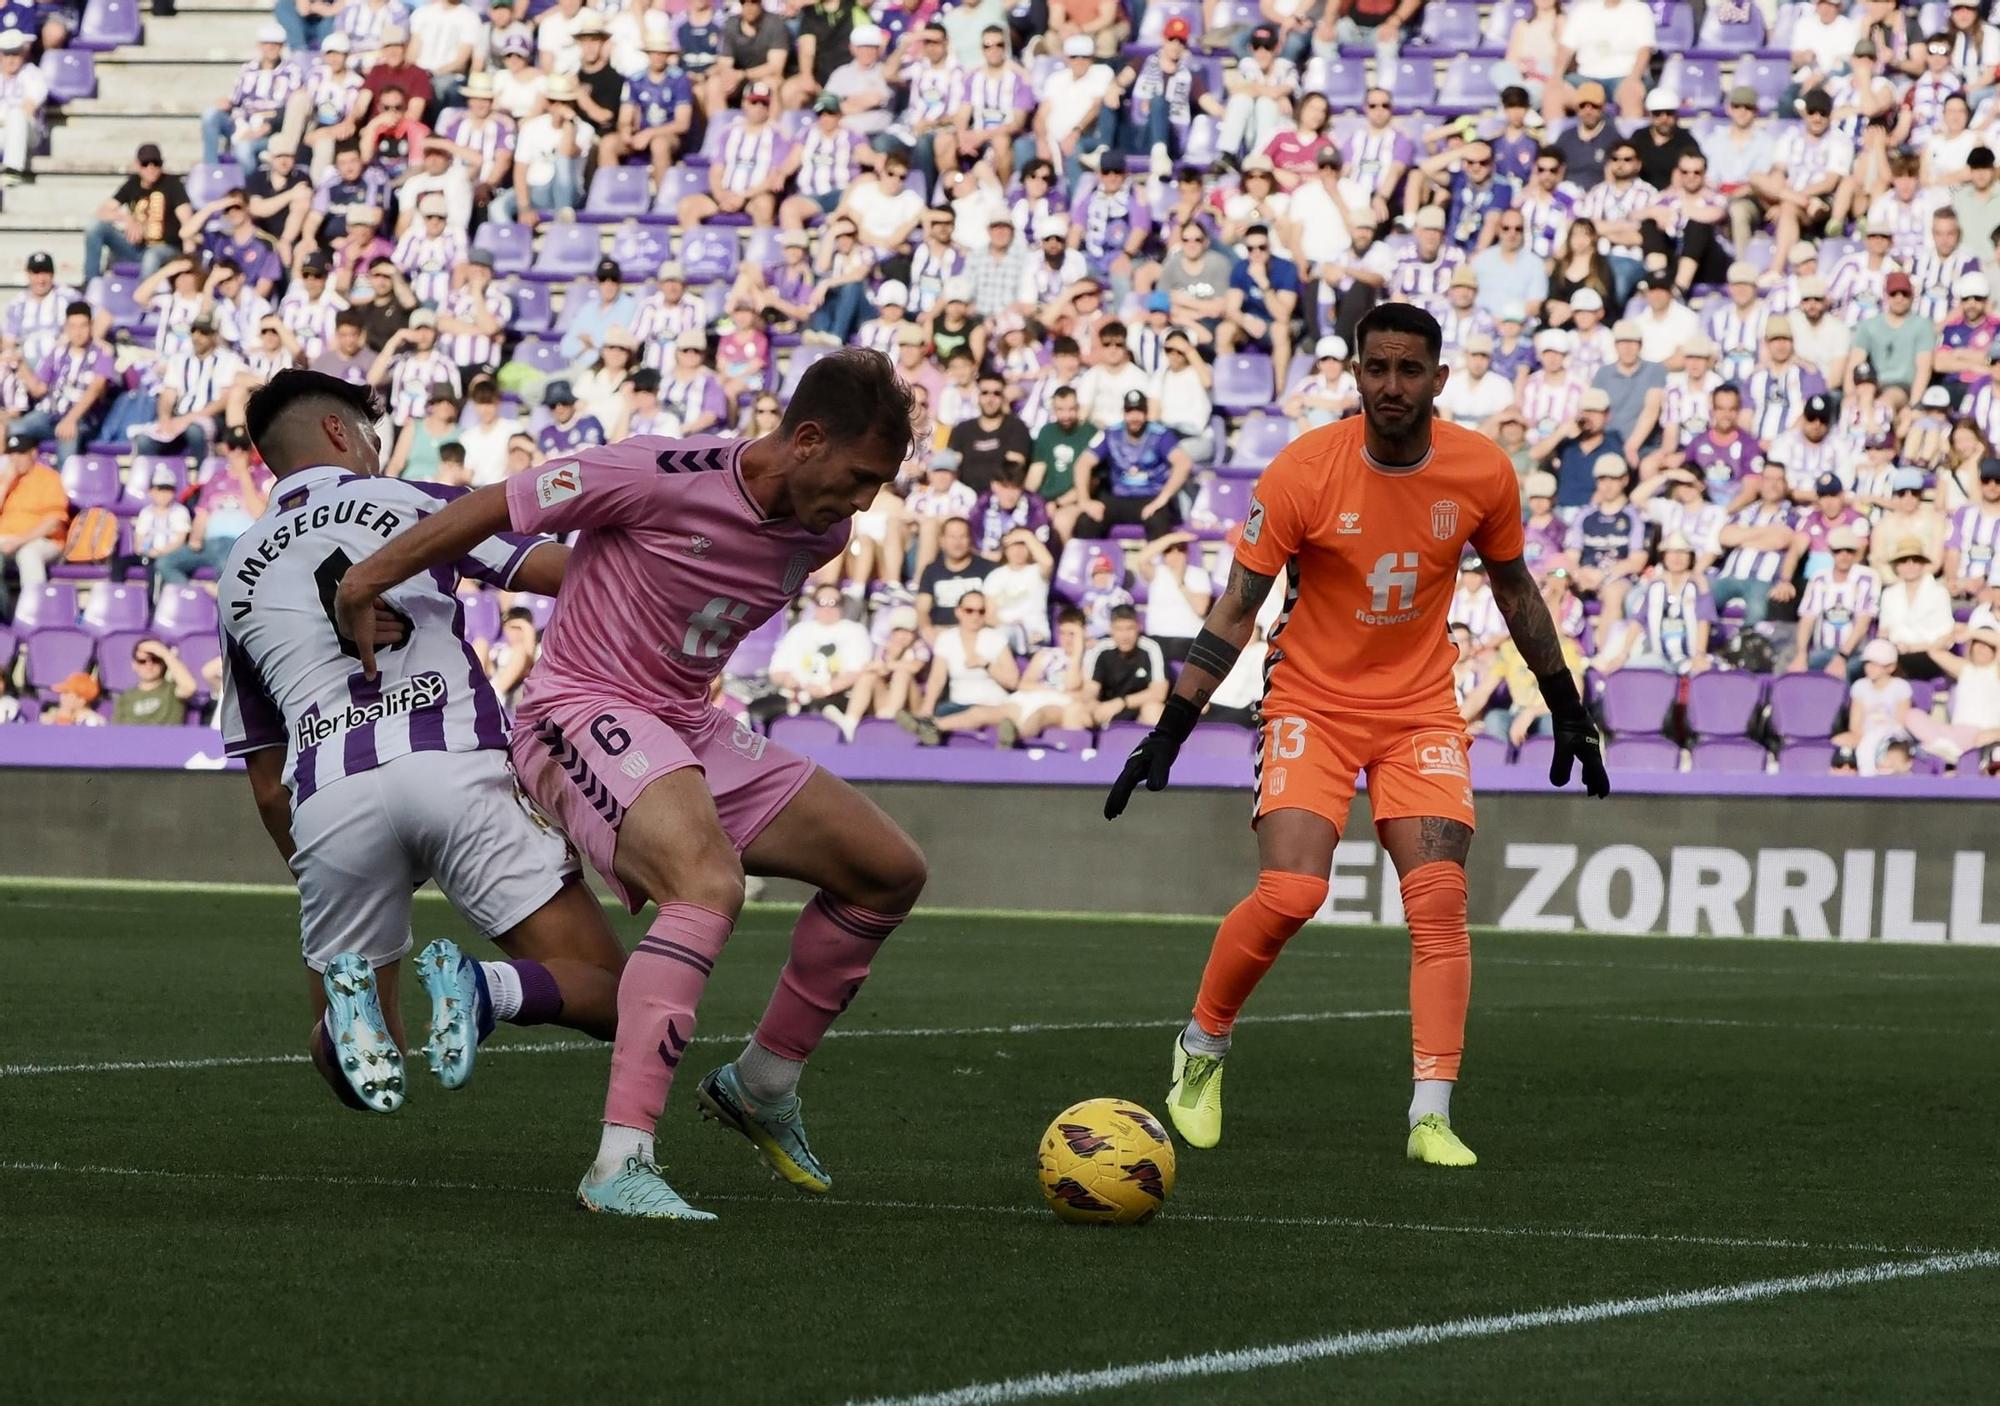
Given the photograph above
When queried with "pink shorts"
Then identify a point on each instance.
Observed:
(585, 763)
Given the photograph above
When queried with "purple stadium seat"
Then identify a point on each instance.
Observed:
(712, 139)
(1723, 704)
(802, 357)
(761, 246)
(1153, 27)
(206, 183)
(639, 250)
(1806, 705)
(575, 294)
(1073, 567)
(710, 255)
(1535, 754)
(70, 74)
(1345, 83)
(545, 358)
(1674, 30)
(92, 481)
(1731, 36)
(1260, 439)
(1487, 750)
(1730, 754)
(113, 293)
(8, 647)
(47, 607)
(109, 24)
(1770, 77)
(1970, 767)
(566, 252)
(115, 607)
(753, 653)
(1071, 740)
(482, 615)
(1449, 29)
(1201, 148)
(1468, 85)
(114, 660)
(53, 655)
(1219, 505)
(1414, 84)
(1642, 754)
(1220, 740)
(512, 246)
(616, 193)
(1120, 738)
(682, 181)
(1806, 758)
(1699, 83)
(882, 732)
(532, 312)
(196, 651)
(183, 611)
(806, 733)
(1243, 382)
(1638, 700)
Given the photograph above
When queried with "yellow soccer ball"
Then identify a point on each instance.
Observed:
(1106, 1161)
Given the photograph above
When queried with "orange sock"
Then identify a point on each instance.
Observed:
(1440, 967)
(1249, 940)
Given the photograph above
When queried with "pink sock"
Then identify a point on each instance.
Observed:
(832, 945)
(657, 995)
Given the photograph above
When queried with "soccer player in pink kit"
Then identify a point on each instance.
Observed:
(686, 546)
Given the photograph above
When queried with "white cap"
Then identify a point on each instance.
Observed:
(270, 34)
(1331, 345)
(1430, 217)
(1586, 300)
(1053, 227)
(957, 290)
(1609, 466)
(1552, 339)
(867, 34)
(1936, 398)
(892, 292)
(336, 43)
(1079, 46)
(1972, 285)
(1663, 100)
(14, 41)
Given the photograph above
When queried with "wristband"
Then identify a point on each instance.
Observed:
(1179, 718)
(1212, 652)
(1559, 692)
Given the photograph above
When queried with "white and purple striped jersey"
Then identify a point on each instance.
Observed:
(34, 323)
(289, 680)
(1934, 274)
(464, 304)
(1701, 522)
(1739, 332)
(1774, 398)
(1371, 153)
(660, 321)
(1479, 613)
(827, 161)
(1546, 404)
(198, 381)
(1834, 606)
(1754, 563)
(1807, 159)
(995, 99)
(1669, 613)
(1926, 99)
(1606, 203)
(412, 377)
(930, 269)
(332, 90)
(261, 93)
(1590, 352)
(1684, 410)
(365, 24)
(1856, 289)
(936, 90)
(1975, 536)
(1425, 284)
(1548, 216)
(27, 88)
(749, 155)
(1805, 461)
(311, 319)
(491, 139)
(1909, 221)
(428, 262)
(1458, 326)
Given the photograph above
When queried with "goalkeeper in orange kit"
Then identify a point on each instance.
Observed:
(1365, 520)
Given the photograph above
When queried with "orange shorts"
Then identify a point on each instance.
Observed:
(1417, 765)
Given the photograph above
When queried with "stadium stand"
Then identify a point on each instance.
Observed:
(1718, 279)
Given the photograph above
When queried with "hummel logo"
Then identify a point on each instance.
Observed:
(698, 545)
(1350, 524)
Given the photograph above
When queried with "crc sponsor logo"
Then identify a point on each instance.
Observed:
(1440, 754)
(559, 484)
(1444, 519)
(746, 743)
(422, 691)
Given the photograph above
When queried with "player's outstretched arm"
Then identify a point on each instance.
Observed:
(1209, 661)
(445, 536)
(1534, 631)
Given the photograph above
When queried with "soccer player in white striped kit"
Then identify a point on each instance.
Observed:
(370, 786)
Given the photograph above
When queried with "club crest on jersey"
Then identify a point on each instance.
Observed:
(1444, 519)
(1440, 754)
(796, 571)
(634, 766)
(559, 484)
(1253, 525)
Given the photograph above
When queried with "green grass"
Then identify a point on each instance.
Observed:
(258, 1242)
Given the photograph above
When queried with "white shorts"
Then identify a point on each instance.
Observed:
(871, 525)
(367, 843)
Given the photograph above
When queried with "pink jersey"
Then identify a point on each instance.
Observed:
(674, 567)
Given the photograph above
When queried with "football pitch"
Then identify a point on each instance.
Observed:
(1718, 1171)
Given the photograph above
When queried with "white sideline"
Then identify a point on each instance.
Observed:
(1257, 1359)
(127, 1066)
(1522, 1232)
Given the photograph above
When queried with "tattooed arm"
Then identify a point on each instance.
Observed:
(1534, 631)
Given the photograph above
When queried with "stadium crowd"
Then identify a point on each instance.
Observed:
(1719, 280)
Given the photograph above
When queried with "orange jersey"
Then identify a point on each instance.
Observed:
(1369, 560)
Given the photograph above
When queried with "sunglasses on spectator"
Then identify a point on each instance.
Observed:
(1194, 237)
(1908, 492)
(1515, 228)
(1478, 161)
(972, 610)
(1111, 341)
(149, 658)
(1586, 102)
(1546, 168)
(1845, 551)
(1257, 248)
(992, 44)
(1899, 292)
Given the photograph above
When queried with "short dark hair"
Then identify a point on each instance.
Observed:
(451, 452)
(78, 307)
(1113, 328)
(989, 374)
(519, 612)
(1728, 388)
(349, 318)
(293, 390)
(1123, 612)
(1406, 318)
(1061, 391)
(1070, 615)
(854, 394)
(1066, 345)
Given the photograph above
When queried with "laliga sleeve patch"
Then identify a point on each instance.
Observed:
(1253, 525)
(559, 484)
(1441, 754)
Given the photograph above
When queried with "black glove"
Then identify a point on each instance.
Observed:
(1154, 757)
(1576, 735)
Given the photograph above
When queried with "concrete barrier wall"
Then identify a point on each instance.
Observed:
(1901, 870)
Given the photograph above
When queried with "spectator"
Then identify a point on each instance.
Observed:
(1329, 392)
(72, 387)
(1262, 300)
(411, 364)
(1017, 590)
(34, 514)
(1127, 674)
(76, 695)
(1806, 187)
(1178, 593)
(231, 500)
(23, 95)
(887, 686)
(1838, 612)
(549, 158)
(1876, 705)
(1764, 549)
(160, 698)
(1180, 396)
(818, 661)
(160, 529)
(1052, 460)
(1578, 446)
(1975, 701)
(1974, 542)
(993, 442)
(445, 39)
(1052, 691)
(972, 678)
(1104, 593)
(142, 220)
(1726, 458)
(1144, 471)
(1908, 517)
(415, 455)
(1607, 541)
(956, 568)
(1672, 617)
(1610, 42)
(1916, 609)
(250, 116)
(691, 390)
(348, 357)
(194, 392)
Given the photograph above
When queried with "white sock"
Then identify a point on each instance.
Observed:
(1430, 1096)
(1196, 1040)
(618, 1143)
(767, 1077)
(503, 988)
